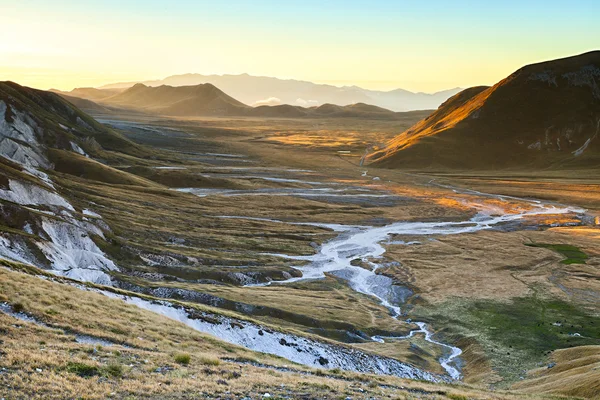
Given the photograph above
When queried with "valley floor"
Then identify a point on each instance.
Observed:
(501, 274)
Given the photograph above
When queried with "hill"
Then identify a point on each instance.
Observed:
(255, 90)
(543, 115)
(279, 111)
(357, 110)
(84, 104)
(196, 100)
(89, 339)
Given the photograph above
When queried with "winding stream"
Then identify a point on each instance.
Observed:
(367, 245)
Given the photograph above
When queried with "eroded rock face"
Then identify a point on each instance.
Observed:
(32, 195)
(74, 254)
(18, 139)
(13, 247)
(58, 237)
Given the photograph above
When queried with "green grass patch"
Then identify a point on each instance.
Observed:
(572, 254)
(517, 335)
(84, 370)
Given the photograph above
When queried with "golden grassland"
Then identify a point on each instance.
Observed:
(494, 265)
(414, 350)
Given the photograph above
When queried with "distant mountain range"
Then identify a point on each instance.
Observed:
(208, 100)
(543, 115)
(258, 90)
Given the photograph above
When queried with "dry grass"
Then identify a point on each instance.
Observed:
(43, 363)
(326, 302)
(74, 164)
(416, 350)
(576, 373)
(487, 265)
(492, 265)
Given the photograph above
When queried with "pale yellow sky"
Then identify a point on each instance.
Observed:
(383, 45)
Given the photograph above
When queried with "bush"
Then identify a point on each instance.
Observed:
(182, 358)
(113, 369)
(18, 307)
(81, 369)
(210, 361)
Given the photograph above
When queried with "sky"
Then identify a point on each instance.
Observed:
(426, 45)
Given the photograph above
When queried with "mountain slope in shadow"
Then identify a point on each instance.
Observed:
(543, 115)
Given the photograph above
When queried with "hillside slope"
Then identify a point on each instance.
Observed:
(78, 343)
(80, 201)
(48, 119)
(41, 133)
(543, 115)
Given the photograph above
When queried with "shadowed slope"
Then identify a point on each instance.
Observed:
(543, 115)
(84, 104)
